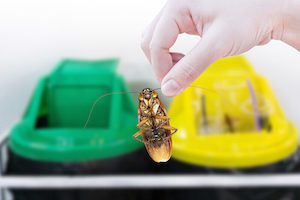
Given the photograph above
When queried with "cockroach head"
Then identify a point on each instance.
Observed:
(148, 93)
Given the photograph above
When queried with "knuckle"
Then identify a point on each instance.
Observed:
(154, 47)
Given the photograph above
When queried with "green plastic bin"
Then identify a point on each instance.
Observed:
(52, 127)
(51, 140)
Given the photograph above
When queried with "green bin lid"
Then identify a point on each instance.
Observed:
(52, 126)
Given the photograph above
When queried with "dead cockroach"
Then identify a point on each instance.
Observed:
(154, 126)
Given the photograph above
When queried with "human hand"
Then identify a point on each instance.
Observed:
(226, 28)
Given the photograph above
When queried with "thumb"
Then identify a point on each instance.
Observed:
(190, 67)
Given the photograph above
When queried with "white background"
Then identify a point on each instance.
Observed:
(36, 35)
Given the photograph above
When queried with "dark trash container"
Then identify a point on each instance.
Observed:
(286, 166)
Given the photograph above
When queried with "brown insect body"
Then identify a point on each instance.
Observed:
(154, 126)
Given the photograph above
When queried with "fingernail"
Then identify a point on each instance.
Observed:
(171, 88)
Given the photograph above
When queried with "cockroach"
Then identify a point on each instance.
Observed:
(154, 126)
(153, 123)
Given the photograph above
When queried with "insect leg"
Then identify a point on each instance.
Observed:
(162, 117)
(170, 128)
(137, 134)
(164, 121)
(139, 125)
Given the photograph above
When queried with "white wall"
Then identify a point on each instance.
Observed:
(35, 35)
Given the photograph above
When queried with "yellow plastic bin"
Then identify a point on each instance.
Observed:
(235, 125)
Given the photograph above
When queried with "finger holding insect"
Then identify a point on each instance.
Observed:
(191, 66)
(148, 33)
(175, 20)
(161, 42)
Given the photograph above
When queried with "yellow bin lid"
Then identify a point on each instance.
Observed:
(206, 138)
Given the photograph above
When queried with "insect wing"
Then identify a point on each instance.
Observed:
(159, 151)
(163, 108)
(139, 112)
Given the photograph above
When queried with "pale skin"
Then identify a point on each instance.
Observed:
(226, 28)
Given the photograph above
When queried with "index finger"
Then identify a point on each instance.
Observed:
(164, 36)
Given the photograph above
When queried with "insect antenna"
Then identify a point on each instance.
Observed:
(96, 101)
(194, 86)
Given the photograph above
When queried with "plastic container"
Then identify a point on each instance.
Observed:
(51, 140)
(234, 146)
(52, 127)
